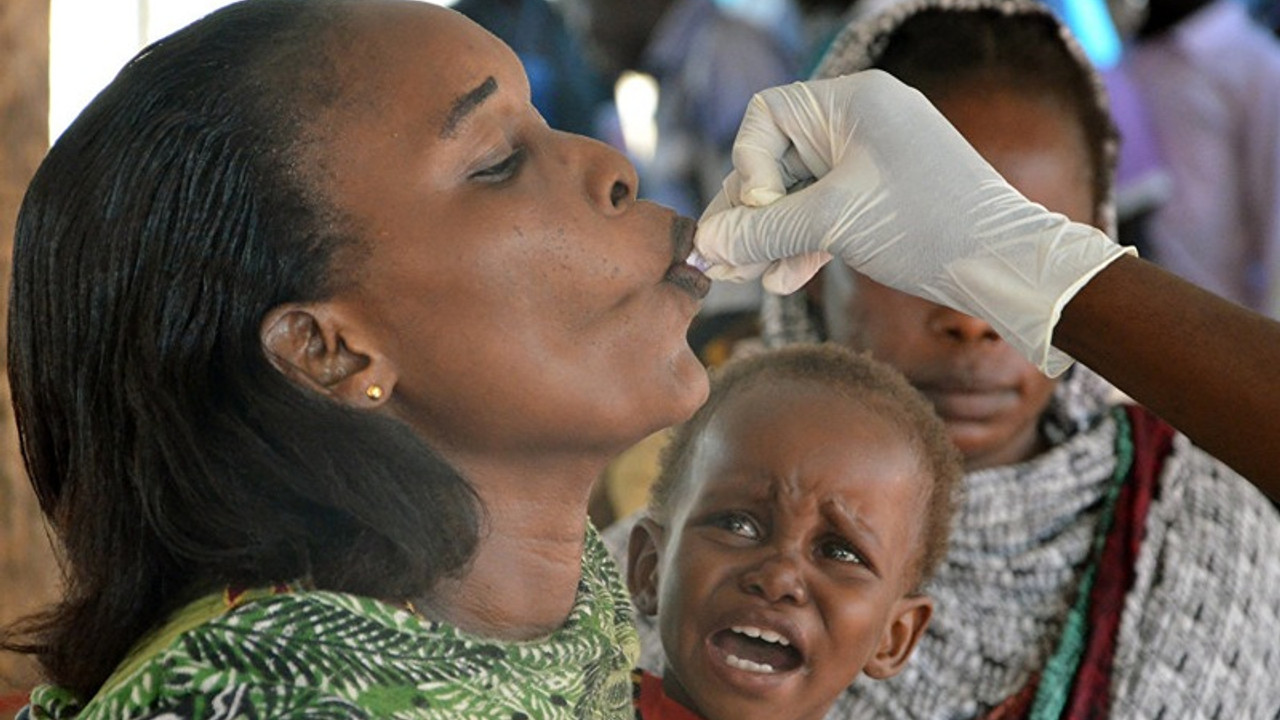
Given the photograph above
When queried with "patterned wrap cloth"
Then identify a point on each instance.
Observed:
(273, 654)
(1199, 637)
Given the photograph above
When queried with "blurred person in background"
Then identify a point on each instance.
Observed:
(566, 88)
(707, 64)
(1209, 75)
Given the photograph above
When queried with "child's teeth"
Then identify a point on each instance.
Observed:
(749, 666)
(773, 637)
(766, 635)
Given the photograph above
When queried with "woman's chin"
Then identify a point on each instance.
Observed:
(695, 384)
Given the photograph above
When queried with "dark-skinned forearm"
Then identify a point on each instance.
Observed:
(1208, 366)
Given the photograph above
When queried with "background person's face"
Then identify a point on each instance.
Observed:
(989, 397)
(519, 290)
(800, 517)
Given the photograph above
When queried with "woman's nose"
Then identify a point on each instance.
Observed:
(777, 578)
(961, 328)
(610, 180)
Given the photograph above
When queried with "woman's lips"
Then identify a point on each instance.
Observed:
(970, 404)
(679, 273)
(689, 279)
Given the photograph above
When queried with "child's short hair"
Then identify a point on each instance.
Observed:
(858, 377)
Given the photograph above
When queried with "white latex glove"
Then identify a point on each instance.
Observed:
(899, 195)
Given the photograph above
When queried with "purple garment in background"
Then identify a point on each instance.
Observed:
(1212, 88)
(1142, 180)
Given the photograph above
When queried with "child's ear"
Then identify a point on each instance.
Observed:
(906, 626)
(318, 347)
(643, 556)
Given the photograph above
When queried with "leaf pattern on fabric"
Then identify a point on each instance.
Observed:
(330, 655)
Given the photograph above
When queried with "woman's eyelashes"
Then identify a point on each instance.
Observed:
(503, 170)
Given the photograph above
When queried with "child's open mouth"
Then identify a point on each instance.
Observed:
(757, 650)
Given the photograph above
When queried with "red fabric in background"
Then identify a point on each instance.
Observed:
(1090, 697)
(11, 703)
(1152, 441)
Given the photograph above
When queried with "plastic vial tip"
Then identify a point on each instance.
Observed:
(696, 260)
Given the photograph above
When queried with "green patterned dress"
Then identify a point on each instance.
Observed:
(280, 653)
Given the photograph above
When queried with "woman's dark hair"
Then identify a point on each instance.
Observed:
(940, 52)
(169, 455)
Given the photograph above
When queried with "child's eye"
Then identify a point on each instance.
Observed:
(840, 551)
(739, 524)
(505, 169)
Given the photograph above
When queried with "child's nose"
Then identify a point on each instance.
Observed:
(778, 578)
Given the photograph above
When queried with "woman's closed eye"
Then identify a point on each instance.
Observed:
(503, 170)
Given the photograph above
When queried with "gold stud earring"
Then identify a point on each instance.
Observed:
(373, 392)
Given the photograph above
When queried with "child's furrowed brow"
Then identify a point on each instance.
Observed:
(853, 526)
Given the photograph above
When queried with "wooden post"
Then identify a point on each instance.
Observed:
(27, 569)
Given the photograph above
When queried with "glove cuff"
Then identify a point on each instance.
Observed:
(1052, 361)
(1021, 287)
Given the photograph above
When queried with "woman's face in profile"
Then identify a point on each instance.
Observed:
(525, 300)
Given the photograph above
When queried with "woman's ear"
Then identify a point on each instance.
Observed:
(643, 557)
(316, 347)
(906, 627)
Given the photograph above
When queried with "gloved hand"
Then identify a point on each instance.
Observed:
(898, 194)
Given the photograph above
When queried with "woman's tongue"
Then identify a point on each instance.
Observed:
(754, 650)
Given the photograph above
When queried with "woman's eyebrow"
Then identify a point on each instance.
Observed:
(465, 105)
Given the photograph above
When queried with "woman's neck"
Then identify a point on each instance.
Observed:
(523, 580)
